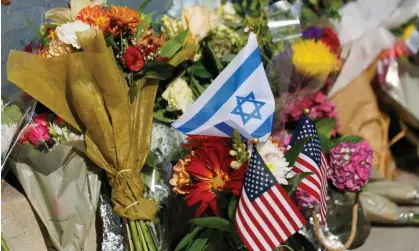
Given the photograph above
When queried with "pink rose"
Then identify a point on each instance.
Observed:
(41, 119)
(36, 133)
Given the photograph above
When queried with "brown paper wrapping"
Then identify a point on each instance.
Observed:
(63, 192)
(359, 114)
(88, 91)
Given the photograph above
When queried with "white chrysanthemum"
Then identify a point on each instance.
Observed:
(275, 160)
(66, 33)
(178, 95)
(62, 134)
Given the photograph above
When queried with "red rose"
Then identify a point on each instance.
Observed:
(331, 40)
(133, 59)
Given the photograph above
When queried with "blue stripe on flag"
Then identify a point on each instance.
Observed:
(225, 128)
(265, 128)
(224, 93)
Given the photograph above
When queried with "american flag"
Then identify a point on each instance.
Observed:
(266, 215)
(311, 159)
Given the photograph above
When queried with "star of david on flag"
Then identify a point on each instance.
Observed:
(239, 98)
(246, 116)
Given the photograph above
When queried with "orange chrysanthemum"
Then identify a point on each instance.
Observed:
(95, 16)
(123, 19)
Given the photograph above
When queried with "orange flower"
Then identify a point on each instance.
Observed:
(95, 16)
(180, 177)
(150, 44)
(206, 171)
(123, 18)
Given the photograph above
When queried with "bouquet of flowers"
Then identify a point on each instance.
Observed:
(58, 181)
(218, 36)
(311, 77)
(98, 69)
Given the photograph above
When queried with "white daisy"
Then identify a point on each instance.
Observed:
(275, 161)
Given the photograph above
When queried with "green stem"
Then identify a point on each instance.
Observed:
(134, 236)
(142, 237)
(149, 239)
(122, 42)
(4, 246)
(131, 245)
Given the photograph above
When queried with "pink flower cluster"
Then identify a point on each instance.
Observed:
(37, 132)
(318, 103)
(305, 200)
(350, 165)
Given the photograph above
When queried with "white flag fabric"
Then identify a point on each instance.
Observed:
(239, 98)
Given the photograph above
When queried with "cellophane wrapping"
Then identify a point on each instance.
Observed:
(63, 189)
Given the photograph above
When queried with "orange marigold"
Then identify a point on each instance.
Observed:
(123, 19)
(95, 16)
(180, 178)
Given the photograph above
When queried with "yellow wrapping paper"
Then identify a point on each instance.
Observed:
(359, 114)
(88, 91)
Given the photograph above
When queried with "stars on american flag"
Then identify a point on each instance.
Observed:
(258, 179)
(312, 148)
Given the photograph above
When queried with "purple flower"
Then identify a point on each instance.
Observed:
(312, 32)
(305, 200)
(350, 165)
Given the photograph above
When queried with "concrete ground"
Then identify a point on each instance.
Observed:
(395, 238)
(392, 239)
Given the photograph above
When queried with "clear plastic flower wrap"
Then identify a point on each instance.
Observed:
(301, 73)
(16, 113)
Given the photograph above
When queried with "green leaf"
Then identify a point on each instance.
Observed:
(292, 154)
(199, 70)
(147, 18)
(213, 222)
(348, 138)
(232, 206)
(157, 70)
(325, 142)
(295, 181)
(142, 6)
(159, 115)
(11, 115)
(110, 40)
(210, 61)
(200, 89)
(172, 46)
(201, 241)
(187, 241)
(325, 126)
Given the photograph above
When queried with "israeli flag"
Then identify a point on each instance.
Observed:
(239, 98)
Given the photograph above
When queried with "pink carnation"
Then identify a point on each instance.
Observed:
(305, 200)
(318, 103)
(350, 165)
